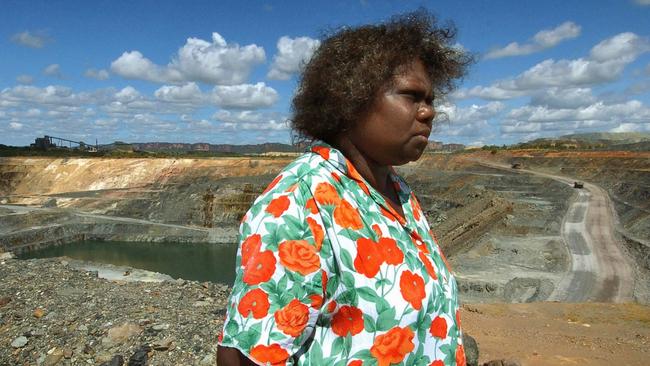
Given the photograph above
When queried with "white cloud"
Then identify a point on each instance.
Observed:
(244, 96)
(494, 92)
(623, 47)
(542, 40)
(251, 120)
(96, 74)
(53, 70)
(188, 93)
(605, 63)
(599, 114)
(642, 2)
(198, 60)
(25, 79)
(127, 95)
(631, 127)
(467, 121)
(292, 54)
(564, 97)
(49, 95)
(133, 65)
(30, 39)
(33, 112)
(15, 126)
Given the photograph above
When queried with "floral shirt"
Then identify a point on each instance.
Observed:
(328, 273)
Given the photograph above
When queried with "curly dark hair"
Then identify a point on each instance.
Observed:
(339, 83)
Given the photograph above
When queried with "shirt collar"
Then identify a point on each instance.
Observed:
(336, 158)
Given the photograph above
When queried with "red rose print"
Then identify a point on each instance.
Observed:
(299, 256)
(377, 230)
(273, 183)
(324, 280)
(460, 356)
(316, 301)
(391, 253)
(259, 268)
(336, 177)
(255, 301)
(348, 319)
(250, 247)
(369, 258)
(416, 207)
(322, 151)
(311, 206)
(292, 319)
(345, 215)
(353, 172)
(427, 265)
(419, 243)
(438, 328)
(437, 363)
(273, 354)
(356, 363)
(326, 194)
(363, 187)
(317, 231)
(389, 215)
(393, 346)
(412, 288)
(331, 306)
(277, 206)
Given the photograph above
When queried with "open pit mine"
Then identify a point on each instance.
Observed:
(541, 238)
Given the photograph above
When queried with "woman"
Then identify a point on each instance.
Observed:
(337, 264)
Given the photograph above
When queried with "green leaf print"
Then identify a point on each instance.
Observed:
(346, 259)
(337, 346)
(245, 230)
(251, 336)
(364, 355)
(255, 209)
(348, 297)
(383, 282)
(293, 225)
(348, 279)
(368, 294)
(386, 320)
(315, 354)
(277, 336)
(332, 285)
(369, 323)
(381, 305)
(232, 328)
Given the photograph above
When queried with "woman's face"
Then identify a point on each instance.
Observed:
(396, 129)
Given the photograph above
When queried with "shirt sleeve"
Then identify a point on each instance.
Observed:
(278, 291)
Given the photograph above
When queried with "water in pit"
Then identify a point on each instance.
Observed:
(190, 261)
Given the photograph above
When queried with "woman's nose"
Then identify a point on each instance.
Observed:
(425, 113)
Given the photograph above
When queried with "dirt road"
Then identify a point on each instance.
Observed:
(600, 271)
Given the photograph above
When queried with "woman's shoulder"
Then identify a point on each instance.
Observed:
(299, 174)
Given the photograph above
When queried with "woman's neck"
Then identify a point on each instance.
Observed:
(377, 175)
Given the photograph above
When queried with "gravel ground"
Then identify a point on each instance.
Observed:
(54, 314)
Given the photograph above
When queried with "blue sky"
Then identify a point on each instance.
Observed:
(225, 71)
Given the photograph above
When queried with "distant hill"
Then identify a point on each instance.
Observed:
(614, 137)
(219, 148)
(633, 141)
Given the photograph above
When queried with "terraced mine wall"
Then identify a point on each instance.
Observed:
(180, 200)
(142, 199)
